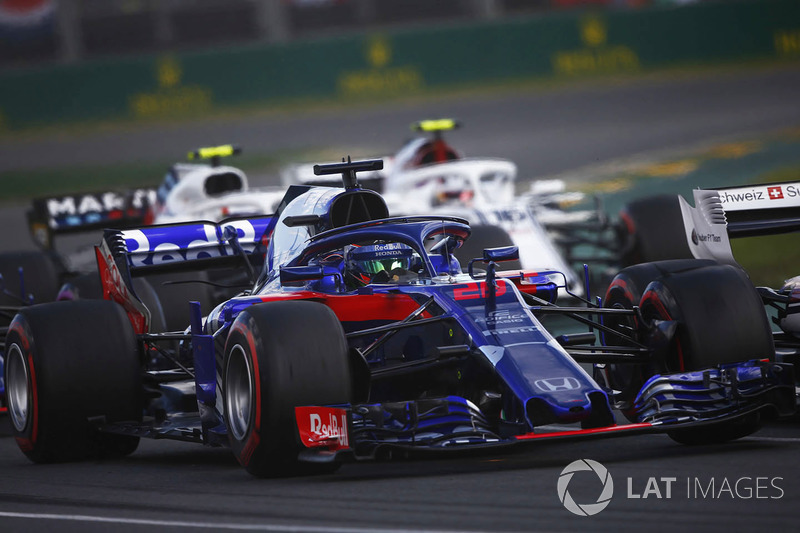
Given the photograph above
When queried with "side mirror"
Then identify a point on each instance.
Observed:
(492, 256)
(294, 274)
(503, 253)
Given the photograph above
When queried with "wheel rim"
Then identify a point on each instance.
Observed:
(18, 388)
(238, 392)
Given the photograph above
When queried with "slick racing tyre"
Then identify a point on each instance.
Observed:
(652, 230)
(70, 365)
(720, 319)
(40, 275)
(625, 291)
(87, 287)
(483, 237)
(279, 356)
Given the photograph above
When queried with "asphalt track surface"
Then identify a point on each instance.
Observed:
(747, 485)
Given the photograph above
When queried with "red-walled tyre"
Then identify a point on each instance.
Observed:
(279, 356)
(721, 319)
(625, 291)
(68, 364)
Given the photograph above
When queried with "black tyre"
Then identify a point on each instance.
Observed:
(721, 319)
(40, 273)
(278, 356)
(485, 237)
(68, 363)
(652, 230)
(625, 291)
(87, 287)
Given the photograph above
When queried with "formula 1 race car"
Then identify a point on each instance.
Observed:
(361, 337)
(428, 176)
(190, 191)
(198, 191)
(202, 189)
(666, 226)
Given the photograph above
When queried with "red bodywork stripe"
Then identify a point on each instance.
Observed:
(581, 432)
(359, 307)
(517, 276)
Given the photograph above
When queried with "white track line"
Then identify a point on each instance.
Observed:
(213, 525)
(772, 439)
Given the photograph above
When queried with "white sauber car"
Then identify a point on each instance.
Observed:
(428, 176)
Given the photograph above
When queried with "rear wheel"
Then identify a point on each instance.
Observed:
(40, 275)
(274, 363)
(69, 364)
(652, 230)
(87, 287)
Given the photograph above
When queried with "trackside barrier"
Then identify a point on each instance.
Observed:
(381, 65)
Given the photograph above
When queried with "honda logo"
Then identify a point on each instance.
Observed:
(557, 384)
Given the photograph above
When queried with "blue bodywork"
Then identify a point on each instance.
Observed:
(450, 359)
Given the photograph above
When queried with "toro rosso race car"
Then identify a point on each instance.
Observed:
(362, 338)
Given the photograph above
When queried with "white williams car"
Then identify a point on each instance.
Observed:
(209, 191)
(203, 189)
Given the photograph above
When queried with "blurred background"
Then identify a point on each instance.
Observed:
(74, 30)
(617, 97)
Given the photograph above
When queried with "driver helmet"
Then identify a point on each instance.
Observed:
(453, 190)
(379, 261)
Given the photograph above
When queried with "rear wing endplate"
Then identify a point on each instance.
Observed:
(731, 212)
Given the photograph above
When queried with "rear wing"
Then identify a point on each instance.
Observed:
(732, 212)
(54, 215)
(186, 247)
(761, 209)
(191, 245)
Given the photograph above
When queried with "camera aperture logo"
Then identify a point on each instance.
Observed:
(585, 509)
(705, 488)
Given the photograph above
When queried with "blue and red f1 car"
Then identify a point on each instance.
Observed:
(363, 336)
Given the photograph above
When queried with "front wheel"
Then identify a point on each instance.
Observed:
(625, 292)
(721, 320)
(279, 356)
